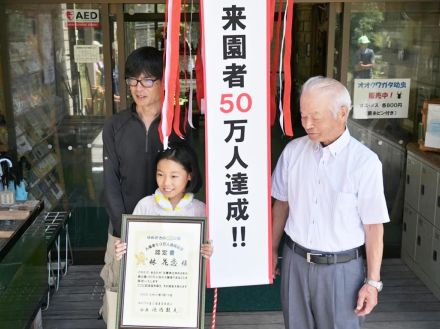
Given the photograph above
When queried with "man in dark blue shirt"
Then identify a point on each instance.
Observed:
(364, 59)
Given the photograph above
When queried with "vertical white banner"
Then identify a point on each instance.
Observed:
(236, 65)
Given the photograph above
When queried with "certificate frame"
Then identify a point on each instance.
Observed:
(162, 274)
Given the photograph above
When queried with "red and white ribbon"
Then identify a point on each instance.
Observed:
(274, 67)
(171, 75)
(191, 67)
(282, 59)
(287, 70)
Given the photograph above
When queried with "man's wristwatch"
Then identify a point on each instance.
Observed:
(376, 284)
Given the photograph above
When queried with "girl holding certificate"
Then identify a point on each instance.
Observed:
(178, 178)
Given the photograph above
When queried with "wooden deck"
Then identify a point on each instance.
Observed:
(405, 303)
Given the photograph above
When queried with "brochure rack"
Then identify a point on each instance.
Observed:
(35, 105)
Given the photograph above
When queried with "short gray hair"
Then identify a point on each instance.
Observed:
(340, 95)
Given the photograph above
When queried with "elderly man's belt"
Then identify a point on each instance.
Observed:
(324, 257)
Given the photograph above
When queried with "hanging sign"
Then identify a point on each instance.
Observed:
(79, 18)
(381, 98)
(236, 63)
(86, 53)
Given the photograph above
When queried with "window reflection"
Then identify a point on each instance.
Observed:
(405, 39)
(57, 77)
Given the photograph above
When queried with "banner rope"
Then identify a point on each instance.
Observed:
(214, 309)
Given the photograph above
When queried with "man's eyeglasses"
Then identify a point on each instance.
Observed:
(145, 82)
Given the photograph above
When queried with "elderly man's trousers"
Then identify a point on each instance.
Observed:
(320, 296)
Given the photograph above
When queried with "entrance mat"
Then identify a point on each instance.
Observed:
(246, 299)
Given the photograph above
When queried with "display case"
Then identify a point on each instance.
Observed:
(35, 105)
(23, 265)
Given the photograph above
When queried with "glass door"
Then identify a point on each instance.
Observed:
(56, 57)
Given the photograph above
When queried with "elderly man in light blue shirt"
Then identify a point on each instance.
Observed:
(329, 200)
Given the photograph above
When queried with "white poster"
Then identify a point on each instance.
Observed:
(236, 64)
(381, 98)
(86, 53)
(432, 136)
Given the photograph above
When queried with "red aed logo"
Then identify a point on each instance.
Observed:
(69, 15)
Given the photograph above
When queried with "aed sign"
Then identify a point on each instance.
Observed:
(80, 18)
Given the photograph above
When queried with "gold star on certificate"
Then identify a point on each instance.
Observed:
(140, 258)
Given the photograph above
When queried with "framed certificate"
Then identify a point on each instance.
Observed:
(162, 283)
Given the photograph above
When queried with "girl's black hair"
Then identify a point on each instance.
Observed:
(144, 60)
(184, 154)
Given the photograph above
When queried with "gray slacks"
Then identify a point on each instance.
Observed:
(318, 296)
